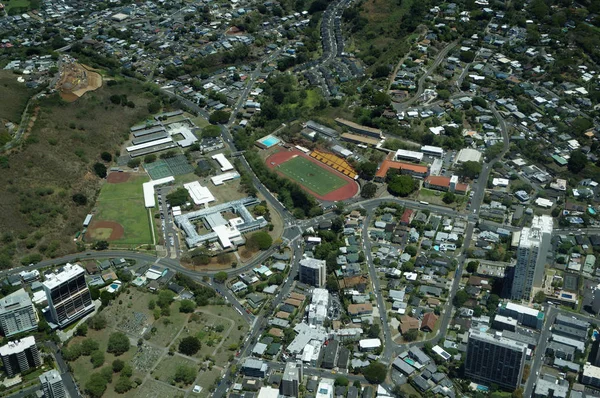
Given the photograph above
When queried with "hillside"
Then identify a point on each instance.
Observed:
(37, 214)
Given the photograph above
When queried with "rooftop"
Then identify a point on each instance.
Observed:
(17, 346)
(66, 273)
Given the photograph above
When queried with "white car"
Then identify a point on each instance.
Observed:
(197, 389)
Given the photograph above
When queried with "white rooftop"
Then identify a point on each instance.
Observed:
(522, 309)
(148, 188)
(14, 347)
(199, 194)
(69, 271)
(225, 164)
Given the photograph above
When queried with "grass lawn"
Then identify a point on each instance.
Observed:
(82, 367)
(26, 4)
(165, 371)
(11, 88)
(206, 379)
(312, 98)
(155, 389)
(309, 174)
(166, 328)
(124, 203)
(216, 344)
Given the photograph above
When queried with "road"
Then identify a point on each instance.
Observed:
(399, 107)
(388, 348)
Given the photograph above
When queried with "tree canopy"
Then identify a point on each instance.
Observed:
(189, 345)
(401, 185)
(375, 372)
(368, 190)
(178, 197)
(577, 162)
(262, 240)
(118, 343)
(470, 169)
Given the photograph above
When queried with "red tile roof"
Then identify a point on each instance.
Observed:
(389, 164)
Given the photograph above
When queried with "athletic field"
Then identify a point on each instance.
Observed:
(306, 173)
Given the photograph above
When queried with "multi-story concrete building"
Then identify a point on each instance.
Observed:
(495, 359)
(52, 384)
(525, 316)
(312, 272)
(531, 257)
(69, 298)
(17, 314)
(20, 355)
(292, 379)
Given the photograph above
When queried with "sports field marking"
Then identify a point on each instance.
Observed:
(310, 175)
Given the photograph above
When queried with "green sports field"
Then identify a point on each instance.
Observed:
(124, 203)
(308, 174)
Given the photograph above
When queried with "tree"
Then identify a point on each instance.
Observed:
(123, 385)
(375, 373)
(165, 298)
(106, 156)
(411, 335)
(88, 346)
(539, 297)
(97, 322)
(117, 365)
(211, 132)
(97, 358)
(412, 250)
(460, 298)
(185, 374)
(470, 169)
(401, 185)
(577, 161)
(82, 330)
(341, 381)
(219, 117)
(332, 283)
(220, 277)
(100, 169)
(96, 385)
(189, 345)
(79, 199)
(101, 245)
(472, 266)
(118, 343)
(187, 306)
(374, 331)
(367, 170)
(357, 384)
(467, 56)
(106, 297)
(178, 197)
(368, 190)
(133, 163)
(381, 71)
(449, 197)
(149, 158)
(262, 239)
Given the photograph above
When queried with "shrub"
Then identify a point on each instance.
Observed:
(97, 359)
(189, 345)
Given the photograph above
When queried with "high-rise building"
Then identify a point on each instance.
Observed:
(68, 295)
(20, 355)
(312, 272)
(292, 379)
(52, 384)
(17, 314)
(495, 359)
(531, 257)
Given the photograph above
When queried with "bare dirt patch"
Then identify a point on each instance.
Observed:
(76, 79)
(117, 177)
(105, 230)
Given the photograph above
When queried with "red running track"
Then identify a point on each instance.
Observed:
(346, 192)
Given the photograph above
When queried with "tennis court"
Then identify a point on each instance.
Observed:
(175, 166)
(311, 175)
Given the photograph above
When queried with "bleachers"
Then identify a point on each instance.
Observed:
(335, 162)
